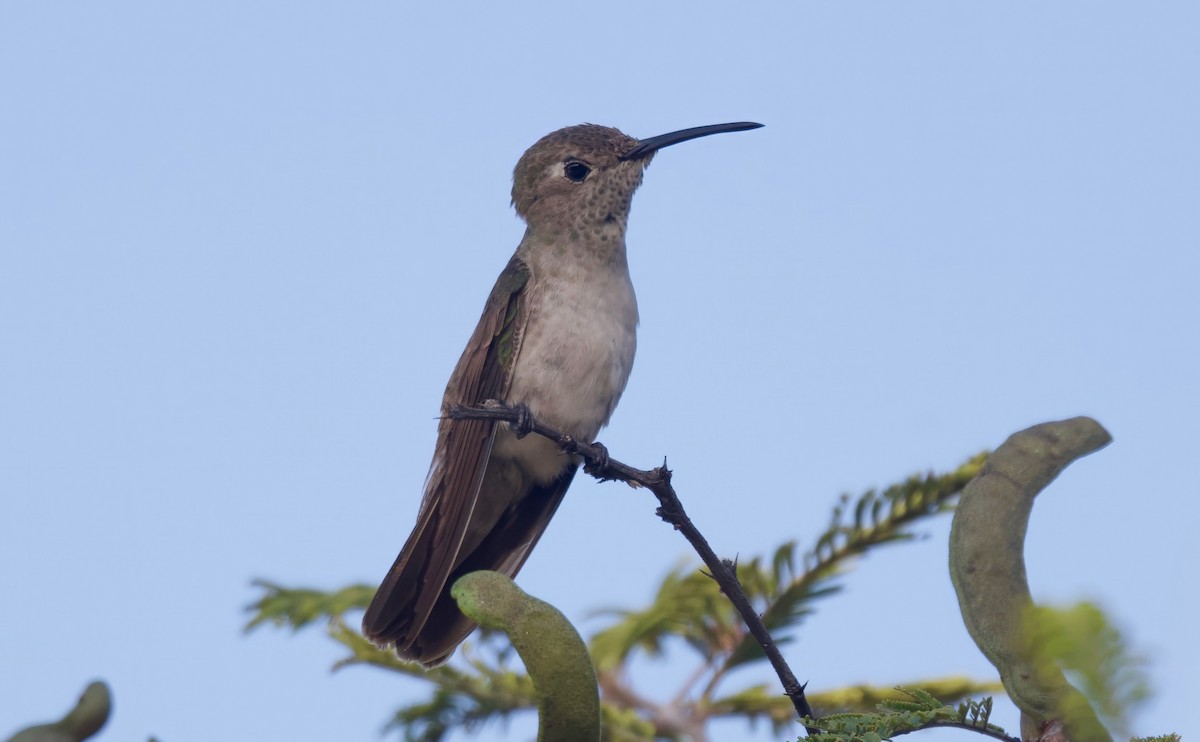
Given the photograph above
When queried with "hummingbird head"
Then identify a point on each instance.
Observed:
(585, 176)
(576, 177)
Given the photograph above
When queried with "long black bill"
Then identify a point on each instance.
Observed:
(653, 144)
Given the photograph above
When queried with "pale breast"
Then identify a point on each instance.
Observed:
(577, 349)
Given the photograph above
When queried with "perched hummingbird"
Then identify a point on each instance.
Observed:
(557, 335)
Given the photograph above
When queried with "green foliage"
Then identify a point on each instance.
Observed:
(488, 689)
(765, 703)
(619, 724)
(975, 713)
(463, 700)
(874, 519)
(1080, 640)
(299, 607)
(688, 609)
(868, 697)
(915, 709)
(486, 683)
(690, 606)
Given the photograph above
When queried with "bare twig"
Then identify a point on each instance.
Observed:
(658, 481)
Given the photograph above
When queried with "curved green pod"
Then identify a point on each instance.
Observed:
(987, 566)
(553, 652)
(88, 716)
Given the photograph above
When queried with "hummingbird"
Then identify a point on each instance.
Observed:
(556, 339)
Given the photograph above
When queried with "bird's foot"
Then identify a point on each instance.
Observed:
(600, 462)
(523, 425)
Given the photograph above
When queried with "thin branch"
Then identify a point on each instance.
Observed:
(658, 481)
(696, 676)
(668, 722)
(718, 674)
(616, 689)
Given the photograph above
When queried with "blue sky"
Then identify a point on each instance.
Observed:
(242, 245)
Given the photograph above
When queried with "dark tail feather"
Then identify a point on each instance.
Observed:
(392, 611)
(392, 619)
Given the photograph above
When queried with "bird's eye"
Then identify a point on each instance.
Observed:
(576, 171)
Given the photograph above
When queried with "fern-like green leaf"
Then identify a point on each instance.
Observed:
(299, 607)
(1083, 642)
(892, 513)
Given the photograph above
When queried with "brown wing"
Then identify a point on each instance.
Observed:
(418, 577)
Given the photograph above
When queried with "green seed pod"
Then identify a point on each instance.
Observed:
(554, 655)
(88, 716)
(987, 566)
